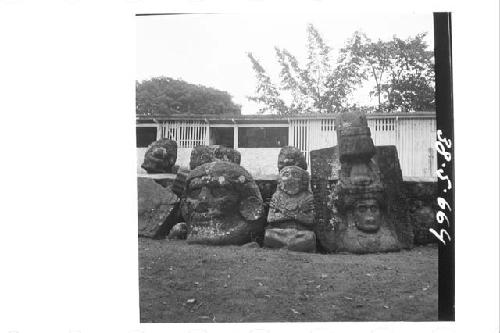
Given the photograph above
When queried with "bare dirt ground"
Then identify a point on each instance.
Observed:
(194, 283)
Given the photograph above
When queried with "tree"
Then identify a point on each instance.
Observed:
(317, 87)
(267, 94)
(411, 85)
(403, 72)
(166, 96)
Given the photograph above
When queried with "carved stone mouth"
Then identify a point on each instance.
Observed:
(368, 227)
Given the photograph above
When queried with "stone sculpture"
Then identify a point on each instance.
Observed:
(160, 157)
(222, 205)
(291, 213)
(422, 205)
(206, 154)
(291, 156)
(178, 231)
(367, 211)
(158, 209)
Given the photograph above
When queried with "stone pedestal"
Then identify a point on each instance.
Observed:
(291, 239)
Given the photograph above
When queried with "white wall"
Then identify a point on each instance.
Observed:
(140, 159)
(260, 162)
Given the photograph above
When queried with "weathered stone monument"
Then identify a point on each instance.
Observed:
(222, 205)
(158, 209)
(291, 214)
(291, 156)
(160, 157)
(422, 206)
(364, 209)
(178, 231)
(206, 154)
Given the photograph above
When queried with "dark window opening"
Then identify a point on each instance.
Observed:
(262, 137)
(223, 136)
(144, 136)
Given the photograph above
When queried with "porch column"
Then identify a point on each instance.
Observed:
(159, 130)
(235, 136)
(207, 133)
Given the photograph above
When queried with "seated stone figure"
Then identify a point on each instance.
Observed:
(291, 213)
(207, 154)
(222, 205)
(160, 157)
(291, 156)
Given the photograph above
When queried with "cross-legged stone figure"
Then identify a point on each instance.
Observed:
(291, 214)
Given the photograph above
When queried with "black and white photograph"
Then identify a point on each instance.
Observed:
(287, 168)
(216, 166)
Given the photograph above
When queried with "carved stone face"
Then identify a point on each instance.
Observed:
(207, 199)
(221, 204)
(292, 180)
(367, 215)
(160, 156)
(291, 156)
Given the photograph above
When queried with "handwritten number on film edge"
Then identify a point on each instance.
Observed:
(443, 204)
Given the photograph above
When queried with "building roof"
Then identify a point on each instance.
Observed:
(270, 118)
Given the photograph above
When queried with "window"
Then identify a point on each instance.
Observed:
(262, 137)
(145, 136)
(223, 136)
(327, 125)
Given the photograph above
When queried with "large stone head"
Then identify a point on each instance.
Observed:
(367, 216)
(160, 156)
(293, 180)
(291, 156)
(365, 208)
(206, 154)
(221, 203)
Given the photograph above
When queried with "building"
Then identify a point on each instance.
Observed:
(259, 137)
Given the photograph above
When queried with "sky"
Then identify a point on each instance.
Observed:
(211, 49)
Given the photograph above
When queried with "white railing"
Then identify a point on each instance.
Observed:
(187, 134)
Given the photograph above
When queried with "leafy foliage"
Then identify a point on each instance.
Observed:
(166, 96)
(268, 94)
(316, 87)
(402, 71)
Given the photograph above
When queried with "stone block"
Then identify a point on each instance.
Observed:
(158, 209)
(178, 231)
